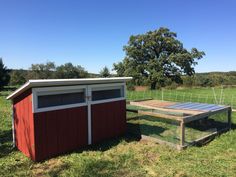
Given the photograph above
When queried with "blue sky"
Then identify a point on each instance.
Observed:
(93, 33)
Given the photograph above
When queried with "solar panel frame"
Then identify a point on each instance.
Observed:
(196, 106)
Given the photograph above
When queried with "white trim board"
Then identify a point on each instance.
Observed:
(66, 82)
(13, 127)
(89, 94)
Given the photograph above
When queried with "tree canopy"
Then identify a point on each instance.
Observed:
(157, 56)
(4, 74)
(18, 77)
(105, 72)
(68, 70)
(42, 71)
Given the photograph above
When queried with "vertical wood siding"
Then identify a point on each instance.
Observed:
(108, 120)
(24, 124)
(46, 134)
(60, 131)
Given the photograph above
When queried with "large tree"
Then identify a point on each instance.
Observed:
(4, 74)
(156, 56)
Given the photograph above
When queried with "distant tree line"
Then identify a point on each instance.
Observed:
(46, 70)
(210, 79)
(49, 70)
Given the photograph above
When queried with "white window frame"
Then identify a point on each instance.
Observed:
(99, 87)
(53, 91)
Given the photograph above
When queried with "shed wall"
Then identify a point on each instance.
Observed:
(60, 131)
(46, 134)
(108, 120)
(24, 124)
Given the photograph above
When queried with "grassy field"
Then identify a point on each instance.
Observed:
(218, 95)
(124, 156)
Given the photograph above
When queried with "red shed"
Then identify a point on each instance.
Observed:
(55, 116)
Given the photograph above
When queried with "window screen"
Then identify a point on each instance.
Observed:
(106, 94)
(60, 99)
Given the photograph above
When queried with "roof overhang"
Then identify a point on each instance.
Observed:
(65, 82)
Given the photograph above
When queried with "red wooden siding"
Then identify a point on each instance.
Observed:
(23, 123)
(108, 120)
(46, 134)
(60, 131)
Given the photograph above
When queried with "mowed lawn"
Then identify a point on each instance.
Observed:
(124, 156)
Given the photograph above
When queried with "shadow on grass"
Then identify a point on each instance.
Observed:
(6, 146)
(154, 119)
(206, 124)
(233, 126)
(133, 133)
(108, 144)
(148, 125)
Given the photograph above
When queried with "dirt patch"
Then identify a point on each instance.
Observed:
(53, 166)
(141, 88)
(157, 103)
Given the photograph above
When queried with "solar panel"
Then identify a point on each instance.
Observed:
(196, 106)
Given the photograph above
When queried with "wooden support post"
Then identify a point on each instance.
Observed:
(182, 133)
(229, 117)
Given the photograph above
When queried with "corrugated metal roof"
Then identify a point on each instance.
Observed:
(196, 106)
(65, 82)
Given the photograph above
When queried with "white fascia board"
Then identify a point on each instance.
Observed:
(65, 82)
(19, 90)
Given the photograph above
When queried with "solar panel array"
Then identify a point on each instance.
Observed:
(196, 106)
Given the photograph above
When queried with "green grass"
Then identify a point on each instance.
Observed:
(124, 156)
(226, 96)
(169, 130)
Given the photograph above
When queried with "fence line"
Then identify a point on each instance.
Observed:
(175, 96)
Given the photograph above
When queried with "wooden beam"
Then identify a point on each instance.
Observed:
(205, 137)
(144, 105)
(229, 117)
(203, 115)
(211, 135)
(195, 117)
(142, 100)
(182, 133)
(132, 110)
(159, 115)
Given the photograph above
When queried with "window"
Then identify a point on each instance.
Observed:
(106, 93)
(55, 98)
(60, 99)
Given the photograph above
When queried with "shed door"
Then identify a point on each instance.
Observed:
(106, 111)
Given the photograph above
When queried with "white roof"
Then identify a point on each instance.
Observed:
(65, 82)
